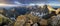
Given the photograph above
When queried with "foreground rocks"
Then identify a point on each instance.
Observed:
(26, 20)
(4, 21)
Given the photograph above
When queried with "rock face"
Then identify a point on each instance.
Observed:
(26, 20)
(55, 20)
(4, 20)
(30, 20)
(58, 11)
(43, 22)
(40, 11)
(20, 20)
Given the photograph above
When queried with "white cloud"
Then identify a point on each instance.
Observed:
(54, 4)
(10, 5)
(31, 4)
(16, 2)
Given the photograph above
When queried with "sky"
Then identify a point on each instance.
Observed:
(23, 2)
(28, 1)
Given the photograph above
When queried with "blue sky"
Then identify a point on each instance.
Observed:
(29, 1)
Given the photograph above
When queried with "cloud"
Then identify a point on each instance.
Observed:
(16, 2)
(9, 5)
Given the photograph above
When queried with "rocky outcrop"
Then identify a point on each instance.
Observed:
(4, 20)
(26, 20)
